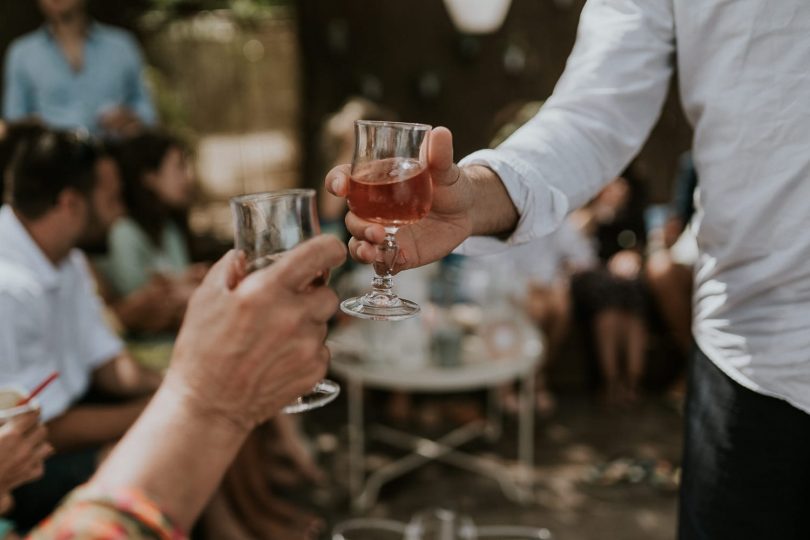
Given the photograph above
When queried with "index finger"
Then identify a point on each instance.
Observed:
(337, 180)
(299, 266)
(227, 271)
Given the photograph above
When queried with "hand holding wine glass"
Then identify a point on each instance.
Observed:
(466, 201)
(267, 226)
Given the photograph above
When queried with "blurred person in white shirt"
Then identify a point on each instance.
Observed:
(52, 317)
(535, 276)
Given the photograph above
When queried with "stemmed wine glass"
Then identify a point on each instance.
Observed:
(265, 226)
(390, 184)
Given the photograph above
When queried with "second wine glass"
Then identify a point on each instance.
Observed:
(266, 225)
(390, 185)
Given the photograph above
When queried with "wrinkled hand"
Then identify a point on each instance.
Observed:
(24, 447)
(447, 225)
(252, 344)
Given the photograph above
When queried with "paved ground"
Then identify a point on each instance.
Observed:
(576, 497)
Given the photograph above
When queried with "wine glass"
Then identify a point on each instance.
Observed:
(265, 226)
(390, 184)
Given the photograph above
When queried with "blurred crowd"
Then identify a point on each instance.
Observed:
(98, 264)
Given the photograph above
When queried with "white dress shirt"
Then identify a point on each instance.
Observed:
(50, 319)
(744, 74)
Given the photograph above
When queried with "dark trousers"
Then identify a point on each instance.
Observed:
(746, 462)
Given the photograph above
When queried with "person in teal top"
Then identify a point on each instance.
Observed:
(135, 258)
(148, 256)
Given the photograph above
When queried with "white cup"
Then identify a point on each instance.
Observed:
(9, 397)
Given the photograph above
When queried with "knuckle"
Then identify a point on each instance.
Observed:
(290, 322)
(309, 349)
(331, 299)
(14, 436)
(244, 299)
(37, 471)
(322, 332)
(326, 356)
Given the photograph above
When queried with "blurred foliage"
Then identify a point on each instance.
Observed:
(246, 13)
(171, 107)
(243, 10)
(202, 16)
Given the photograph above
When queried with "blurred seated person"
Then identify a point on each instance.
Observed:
(540, 271)
(611, 300)
(52, 318)
(74, 72)
(238, 361)
(147, 275)
(24, 447)
(150, 276)
(668, 270)
(536, 277)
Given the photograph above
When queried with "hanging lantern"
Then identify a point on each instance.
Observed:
(477, 16)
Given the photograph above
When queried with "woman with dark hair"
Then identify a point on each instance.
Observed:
(153, 238)
(147, 268)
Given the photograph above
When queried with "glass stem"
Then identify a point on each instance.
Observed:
(384, 264)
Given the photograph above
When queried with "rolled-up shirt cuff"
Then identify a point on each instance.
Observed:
(522, 195)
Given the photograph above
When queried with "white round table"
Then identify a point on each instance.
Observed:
(476, 370)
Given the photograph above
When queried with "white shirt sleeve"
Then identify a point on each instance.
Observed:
(597, 119)
(24, 356)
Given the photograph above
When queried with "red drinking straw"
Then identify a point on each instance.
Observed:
(40, 387)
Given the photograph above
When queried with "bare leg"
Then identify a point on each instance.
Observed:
(250, 497)
(671, 285)
(288, 445)
(636, 334)
(556, 327)
(608, 330)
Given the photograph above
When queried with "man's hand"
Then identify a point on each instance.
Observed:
(120, 121)
(452, 218)
(23, 447)
(252, 344)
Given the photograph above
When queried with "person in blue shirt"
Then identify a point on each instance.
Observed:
(74, 72)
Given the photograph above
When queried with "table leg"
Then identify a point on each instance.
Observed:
(356, 440)
(526, 431)
(494, 414)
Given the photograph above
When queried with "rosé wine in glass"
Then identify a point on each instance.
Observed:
(390, 185)
(391, 192)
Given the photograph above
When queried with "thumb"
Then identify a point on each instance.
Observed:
(440, 157)
(300, 265)
(228, 271)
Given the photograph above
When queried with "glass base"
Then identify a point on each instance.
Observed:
(324, 392)
(379, 308)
